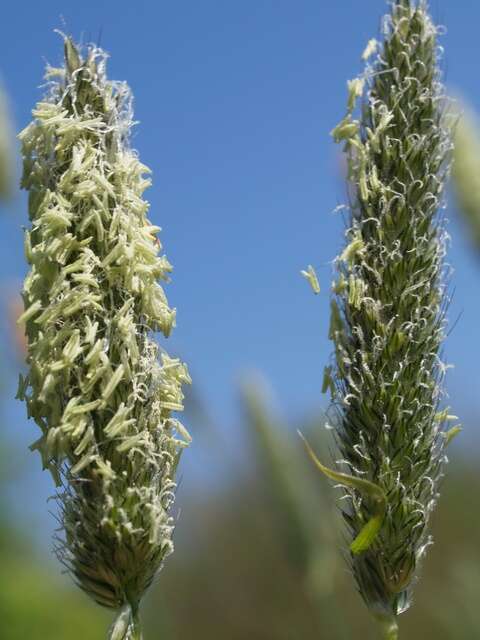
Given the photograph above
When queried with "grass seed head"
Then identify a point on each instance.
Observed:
(388, 306)
(98, 386)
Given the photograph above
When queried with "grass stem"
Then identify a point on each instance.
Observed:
(136, 629)
(390, 629)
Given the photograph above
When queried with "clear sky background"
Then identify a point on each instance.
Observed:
(235, 101)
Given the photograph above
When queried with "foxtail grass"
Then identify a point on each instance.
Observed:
(101, 390)
(388, 312)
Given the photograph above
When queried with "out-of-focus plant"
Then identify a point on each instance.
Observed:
(466, 171)
(96, 386)
(6, 149)
(307, 533)
(304, 530)
(388, 307)
(35, 605)
(460, 618)
(33, 602)
(233, 533)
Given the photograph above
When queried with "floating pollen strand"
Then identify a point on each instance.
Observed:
(312, 278)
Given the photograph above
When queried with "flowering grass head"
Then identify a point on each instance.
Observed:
(99, 387)
(388, 311)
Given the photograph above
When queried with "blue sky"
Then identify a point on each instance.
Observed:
(235, 102)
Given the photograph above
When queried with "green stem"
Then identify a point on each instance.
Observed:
(126, 625)
(135, 628)
(389, 629)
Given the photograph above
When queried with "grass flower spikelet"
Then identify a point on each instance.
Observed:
(98, 386)
(388, 305)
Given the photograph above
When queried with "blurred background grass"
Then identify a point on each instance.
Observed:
(258, 544)
(258, 557)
